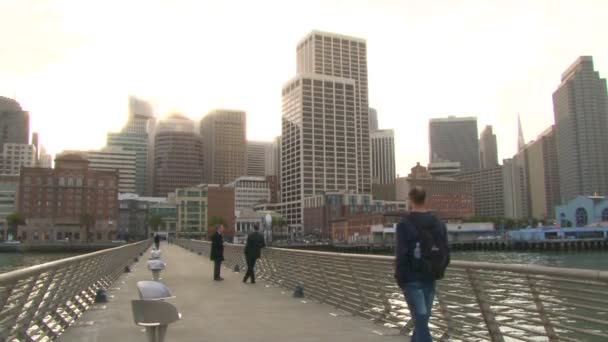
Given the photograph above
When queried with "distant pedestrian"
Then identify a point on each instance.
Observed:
(157, 240)
(253, 251)
(422, 255)
(217, 251)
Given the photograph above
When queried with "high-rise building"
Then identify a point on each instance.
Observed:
(515, 185)
(225, 145)
(113, 159)
(455, 139)
(249, 191)
(178, 157)
(334, 55)
(44, 158)
(580, 105)
(325, 124)
(220, 208)
(273, 158)
(54, 201)
(488, 151)
(257, 158)
(383, 156)
(9, 186)
(543, 175)
(488, 191)
(15, 156)
(136, 137)
(14, 123)
(373, 120)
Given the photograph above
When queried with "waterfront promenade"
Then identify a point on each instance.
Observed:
(221, 311)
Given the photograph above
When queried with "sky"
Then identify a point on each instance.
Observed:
(73, 63)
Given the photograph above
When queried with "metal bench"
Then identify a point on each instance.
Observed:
(153, 290)
(155, 316)
(156, 266)
(155, 254)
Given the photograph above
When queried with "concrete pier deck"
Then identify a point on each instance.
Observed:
(221, 311)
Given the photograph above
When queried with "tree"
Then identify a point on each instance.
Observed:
(155, 221)
(87, 221)
(13, 221)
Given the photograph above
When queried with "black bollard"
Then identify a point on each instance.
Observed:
(101, 296)
(136, 259)
(127, 269)
(298, 292)
(237, 268)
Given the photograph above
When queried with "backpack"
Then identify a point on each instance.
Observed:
(435, 253)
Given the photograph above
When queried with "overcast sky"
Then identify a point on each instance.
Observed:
(72, 63)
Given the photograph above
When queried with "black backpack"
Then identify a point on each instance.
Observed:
(435, 252)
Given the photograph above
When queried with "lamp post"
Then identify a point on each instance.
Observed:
(268, 230)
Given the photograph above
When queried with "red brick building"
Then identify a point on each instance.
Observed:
(54, 201)
(220, 204)
(446, 197)
(357, 228)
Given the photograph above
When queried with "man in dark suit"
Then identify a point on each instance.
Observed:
(217, 251)
(255, 242)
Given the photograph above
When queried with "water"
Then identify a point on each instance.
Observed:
(13, 261)
(594, 260)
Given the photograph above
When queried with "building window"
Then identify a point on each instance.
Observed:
(581, 217)
(605, 215)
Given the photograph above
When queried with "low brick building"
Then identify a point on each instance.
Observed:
(357, 228)
(220, 206)
(55, 202)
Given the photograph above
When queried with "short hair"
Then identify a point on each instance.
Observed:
(417, 195)
(256, 226)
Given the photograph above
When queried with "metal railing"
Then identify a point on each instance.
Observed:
(476, 301)
(40, 302)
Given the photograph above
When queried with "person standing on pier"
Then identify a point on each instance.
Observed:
(157, 240)
(253, 251)
(422, 255)
(217, 251)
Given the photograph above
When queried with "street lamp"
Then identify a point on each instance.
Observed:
(268, 230)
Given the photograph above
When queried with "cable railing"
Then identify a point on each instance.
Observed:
(38, 303)
(476, 301)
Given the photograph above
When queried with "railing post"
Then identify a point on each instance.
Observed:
(541, 310)
(443, 308)
(485, 308)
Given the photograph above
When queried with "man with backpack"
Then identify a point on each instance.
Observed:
(255, 243)
(422, 255)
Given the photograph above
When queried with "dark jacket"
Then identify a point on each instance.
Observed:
(156, 238)
(407, 236)
(217, 247)
(255, 243)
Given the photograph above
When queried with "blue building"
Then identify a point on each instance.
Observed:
(582, 211)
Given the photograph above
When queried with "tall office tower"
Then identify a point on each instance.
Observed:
(15, 156)
(113, 159)
(256, 157)
(14, 123)
(543, 175)
(225, 145)
(383, 156)
(178, 156)
(273, 157)
(515, 185)
(488, 190)
(136, 137)
(334, 55)
(580, 105)
(373, 120)
(455, 139)
(488, 151)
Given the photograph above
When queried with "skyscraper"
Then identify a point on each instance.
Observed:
(14, 123)
(178, 156)
(383, 156)
(225, 145)
(136, 137)
(455, 139)
(373, 120)
(325, 124)
(256, 157)
(334, 55)
(580, 105)
(488, 153)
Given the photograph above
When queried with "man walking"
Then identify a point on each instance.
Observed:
(422, 256)
(255, 243)
(157, 240)
(217, 251)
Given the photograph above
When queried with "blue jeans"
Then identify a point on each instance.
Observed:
(419, 297)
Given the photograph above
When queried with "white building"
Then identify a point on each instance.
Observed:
(248, 192)
(16, 156)
(383, 156)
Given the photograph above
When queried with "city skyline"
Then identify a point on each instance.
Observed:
(508, 59)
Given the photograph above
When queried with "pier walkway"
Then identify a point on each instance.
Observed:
(221, 311)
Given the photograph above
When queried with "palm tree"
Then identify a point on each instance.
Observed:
(13, 221)
(87, 221)
(155, 221)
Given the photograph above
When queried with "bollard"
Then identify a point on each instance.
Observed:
(127, 269)
(136, 259)
(200, 253)
(101, 296)
(237, 268)
(156, 275)
(298, 292)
